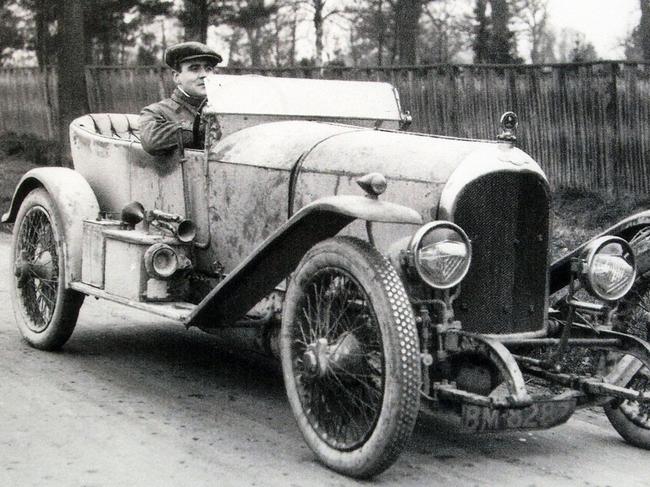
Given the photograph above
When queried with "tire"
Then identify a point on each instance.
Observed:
(631, 419)
(46, 312)
(351, 357)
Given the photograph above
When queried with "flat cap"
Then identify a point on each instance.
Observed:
(186, 51)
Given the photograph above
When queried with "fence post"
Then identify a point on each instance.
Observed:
(558, 103)
(613, 152)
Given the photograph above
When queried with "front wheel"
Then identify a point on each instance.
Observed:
(46, 312)
(351, 357)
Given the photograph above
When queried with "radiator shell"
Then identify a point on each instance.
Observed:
(506, 216)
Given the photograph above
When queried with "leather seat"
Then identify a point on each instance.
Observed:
(122, 126)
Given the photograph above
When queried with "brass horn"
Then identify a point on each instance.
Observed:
(184, 230)
(133, 213)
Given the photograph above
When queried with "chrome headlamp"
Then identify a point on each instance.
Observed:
(609, 268)
(161, 261)
(441, 254)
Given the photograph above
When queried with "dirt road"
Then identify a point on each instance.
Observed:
(136, 401)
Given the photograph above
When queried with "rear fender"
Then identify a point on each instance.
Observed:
(74, 200)
(281, 252)
(626, 228)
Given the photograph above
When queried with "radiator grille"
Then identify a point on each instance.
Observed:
(506, 215)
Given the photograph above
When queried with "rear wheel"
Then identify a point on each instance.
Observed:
(631, 419)
(351, 357)
(46, 312)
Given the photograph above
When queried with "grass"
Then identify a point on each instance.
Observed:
(12, 169)
(579, 215)
(33, 149)
(19, 154)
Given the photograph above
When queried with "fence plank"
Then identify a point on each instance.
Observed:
(588, 125)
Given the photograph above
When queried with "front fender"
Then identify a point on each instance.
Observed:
(280, 253)
(364, 208)
(626, 228)
(75, 201)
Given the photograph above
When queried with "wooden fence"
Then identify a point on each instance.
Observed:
(588, 125)
(28, 101)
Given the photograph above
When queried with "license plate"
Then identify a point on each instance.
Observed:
(539, 415)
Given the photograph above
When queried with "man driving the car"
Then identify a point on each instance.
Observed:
(164, 124)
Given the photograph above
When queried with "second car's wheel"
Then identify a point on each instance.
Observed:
(351, 357)
(631, 419)
(46, 312)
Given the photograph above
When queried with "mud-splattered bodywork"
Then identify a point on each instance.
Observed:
(254, 187)
(250, 182)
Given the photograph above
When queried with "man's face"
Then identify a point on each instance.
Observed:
(191, 76)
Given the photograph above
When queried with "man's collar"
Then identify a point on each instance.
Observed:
(195, 101)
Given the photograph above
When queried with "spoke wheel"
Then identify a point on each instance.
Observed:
(631, 419)
(45, 311)
(350, 357)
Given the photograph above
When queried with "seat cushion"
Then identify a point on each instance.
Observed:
(115, 125)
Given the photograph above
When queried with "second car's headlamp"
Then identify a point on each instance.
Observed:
(441, 254)
(609, 268)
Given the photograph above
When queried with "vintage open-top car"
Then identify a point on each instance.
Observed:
(391, 272)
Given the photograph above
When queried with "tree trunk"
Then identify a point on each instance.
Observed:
(407, 17)
(163, 35)
(318, 26)
(354, 54)
(393, 50)
(644, 29)
(107, 47)
(41, 33)
(42, 10)
(294, 30)
(381, 33)
(481, 33)
(502, 40)
(73, 98)
(277, 51)
(255, 51)
(195, 20)
(233, 46)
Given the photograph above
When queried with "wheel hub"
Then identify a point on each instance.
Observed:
(310, 359)
(39, 268)
(344, 354)
(316, 358)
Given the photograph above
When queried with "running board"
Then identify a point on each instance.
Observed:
(177, 311)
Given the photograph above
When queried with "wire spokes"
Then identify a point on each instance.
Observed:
(336, 323)
(37, 257)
